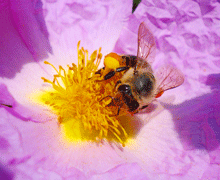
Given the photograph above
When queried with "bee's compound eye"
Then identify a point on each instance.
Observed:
(124, 88)
(143, 85)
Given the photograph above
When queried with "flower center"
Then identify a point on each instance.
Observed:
(79, 100)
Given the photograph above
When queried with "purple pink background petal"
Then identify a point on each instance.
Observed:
(181, 141)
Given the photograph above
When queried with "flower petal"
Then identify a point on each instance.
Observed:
(94, 24)
(181, 142)
(5, 174)
(28, 19)
(23, 36)
(183, 39)
(129, 171)
(17, 110)
(41, 149)
(66, 41)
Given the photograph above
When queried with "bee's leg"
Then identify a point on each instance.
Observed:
(99, 71)
(112, 104)
(124, 68)
(118, 110)
(106, 97)
(109, 75)
(112, 73)
(143, 107)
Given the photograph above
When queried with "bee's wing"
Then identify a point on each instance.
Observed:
(168, 77)
(146, 44)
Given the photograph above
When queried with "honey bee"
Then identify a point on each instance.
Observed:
(139, 86)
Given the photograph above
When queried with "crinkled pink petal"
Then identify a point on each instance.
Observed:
(103, 29)
(22, 106)
(29, 21)
(23, 35)
(34, 150)
(94, 24)
(185, 137)
(182, 142)
(22, 88)
(125, 171)
(213, 172)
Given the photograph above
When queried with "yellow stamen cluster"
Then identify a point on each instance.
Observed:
(76, 100)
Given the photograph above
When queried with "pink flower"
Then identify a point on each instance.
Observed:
(179, 139)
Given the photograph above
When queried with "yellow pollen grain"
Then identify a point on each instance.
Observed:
(76, 99)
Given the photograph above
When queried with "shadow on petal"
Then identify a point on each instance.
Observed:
(197, 121)
(5, 173)
(23, 36)
(17, 110)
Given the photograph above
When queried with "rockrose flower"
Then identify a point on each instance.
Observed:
(176, 137)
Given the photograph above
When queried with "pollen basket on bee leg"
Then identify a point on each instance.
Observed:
(111, 62)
